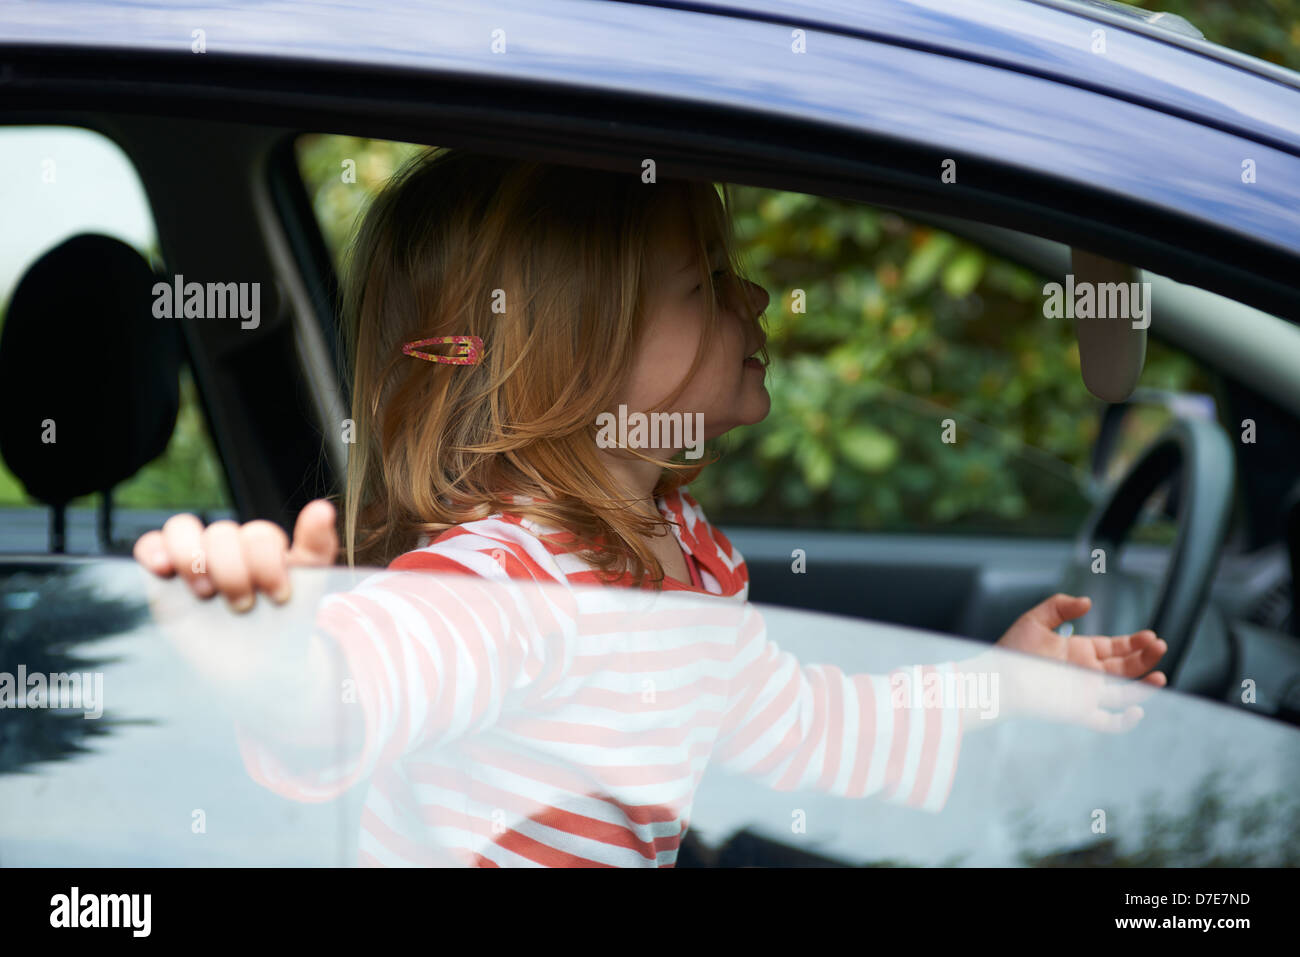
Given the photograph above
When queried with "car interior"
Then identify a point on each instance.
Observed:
(227, 198)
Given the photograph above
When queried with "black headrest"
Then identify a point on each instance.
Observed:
(83, 361)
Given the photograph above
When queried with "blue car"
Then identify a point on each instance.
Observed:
(1070, 147)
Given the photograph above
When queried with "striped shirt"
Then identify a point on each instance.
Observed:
(516, 716)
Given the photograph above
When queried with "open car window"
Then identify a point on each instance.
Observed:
(146, 760)
(918, 383)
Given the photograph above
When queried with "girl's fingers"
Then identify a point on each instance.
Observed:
(1137, 662)
(1105, 647)
(264, 546)
(150, 552)
(239, 561)
(1101, 703)
(1057, 610)
(181, 535)
(1122, 645)
(315, 541)
(225, 560)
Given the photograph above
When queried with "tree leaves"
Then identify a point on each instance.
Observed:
(868, 448)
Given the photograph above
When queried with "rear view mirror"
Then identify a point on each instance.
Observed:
(1112, 312)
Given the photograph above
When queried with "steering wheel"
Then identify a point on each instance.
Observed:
(1196, 456)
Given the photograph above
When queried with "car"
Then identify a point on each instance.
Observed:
(1074, 143)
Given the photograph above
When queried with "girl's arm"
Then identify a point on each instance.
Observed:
(358, 677)
(800, 727)
(897, 736)
(408, 661)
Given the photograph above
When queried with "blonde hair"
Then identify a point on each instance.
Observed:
(438, 445)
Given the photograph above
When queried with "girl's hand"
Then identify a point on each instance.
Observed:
(271, 667)
(1124, 656)
(238, 561)
(1078, 699)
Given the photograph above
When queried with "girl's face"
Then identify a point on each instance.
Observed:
(727, 388)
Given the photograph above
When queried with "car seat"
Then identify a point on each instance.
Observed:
(89, 379)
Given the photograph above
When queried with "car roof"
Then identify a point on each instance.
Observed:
(1053, 139)
(1024, 31)
(1143, 62)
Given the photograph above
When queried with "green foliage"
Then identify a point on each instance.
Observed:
(342, 174)
(904, 330)
(1267, 29)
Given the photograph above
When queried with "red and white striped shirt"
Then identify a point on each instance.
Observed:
(558, 724)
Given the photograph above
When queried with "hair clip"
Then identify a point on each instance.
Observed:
(469, 353)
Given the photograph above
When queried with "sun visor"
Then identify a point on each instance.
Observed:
(1111, 313)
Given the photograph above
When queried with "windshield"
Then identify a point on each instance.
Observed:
(184, 739)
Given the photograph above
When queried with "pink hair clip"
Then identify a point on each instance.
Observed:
(469, 353)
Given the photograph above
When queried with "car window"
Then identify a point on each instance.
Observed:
(55, 183)
(923, 386)
(128, 771)
(917, 384)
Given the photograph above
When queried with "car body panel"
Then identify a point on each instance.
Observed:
(452, 36)
(1150, 66)
(1132, 139)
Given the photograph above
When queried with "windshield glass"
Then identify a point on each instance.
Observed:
(144, 728)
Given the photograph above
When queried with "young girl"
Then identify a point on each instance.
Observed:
(550, 728)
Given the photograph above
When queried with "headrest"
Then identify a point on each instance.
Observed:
(88, 377)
